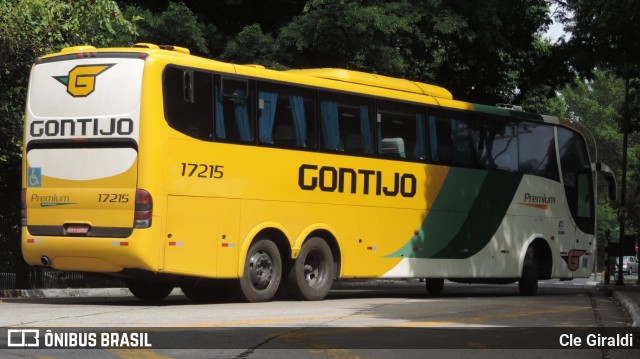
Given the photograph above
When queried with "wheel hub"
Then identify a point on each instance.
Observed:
(312, 269)
(261, 269)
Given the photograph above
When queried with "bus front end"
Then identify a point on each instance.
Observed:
(81, 207)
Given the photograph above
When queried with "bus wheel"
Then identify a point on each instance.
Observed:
(150, 291)
(434, 286)
(262, 272)
(528, 283)
(311, 276)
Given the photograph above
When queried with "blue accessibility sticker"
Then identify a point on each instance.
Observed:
(34, 177)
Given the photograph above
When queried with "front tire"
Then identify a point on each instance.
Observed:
(312, 274)
(528, 283)
(150, 291)
(262, 272)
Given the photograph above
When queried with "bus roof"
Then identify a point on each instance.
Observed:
(375, 80)
(415, 89)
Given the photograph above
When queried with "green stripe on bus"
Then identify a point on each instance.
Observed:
(465, 215)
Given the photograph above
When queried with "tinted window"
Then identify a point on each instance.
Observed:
(498, 145)
(576, 176)
(537, 150)
(188, 101)
(286, 116)
(346, 124)
(233, 120)
(453, 139)
(401, 131)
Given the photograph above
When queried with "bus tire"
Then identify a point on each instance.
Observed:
(262, 272)
(528, 283)
(312, 273)
(434, 286)
(150, 291)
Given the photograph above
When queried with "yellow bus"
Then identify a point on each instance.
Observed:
(167, 169)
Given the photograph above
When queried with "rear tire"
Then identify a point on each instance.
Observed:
(262, 272)
(528, 283)
(312, 274)
(150, 291)
(434, 286)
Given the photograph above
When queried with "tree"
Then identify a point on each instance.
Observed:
(359, 35)
(490, 52)
(251, 45)
(176, 25)
(595, 104)
(230, 17)
(606, 34)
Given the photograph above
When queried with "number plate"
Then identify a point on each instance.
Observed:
(77, 228)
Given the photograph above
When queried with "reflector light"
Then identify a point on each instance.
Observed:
(23, 207)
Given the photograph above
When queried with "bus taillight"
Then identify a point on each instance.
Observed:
(144, 209)
(23, 207)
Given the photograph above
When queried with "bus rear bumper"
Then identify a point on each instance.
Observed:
(86, 254)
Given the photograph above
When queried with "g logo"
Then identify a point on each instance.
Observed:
(573, 259)
(81, 81)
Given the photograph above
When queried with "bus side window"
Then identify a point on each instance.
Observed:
(187, 101)
(498, 144)
(577, 177)
(286, 116)
(233, 112)
(401, 131)
(454, 140)
(346, 124)
(537, 150)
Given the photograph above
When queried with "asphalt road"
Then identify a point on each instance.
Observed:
(356, 321)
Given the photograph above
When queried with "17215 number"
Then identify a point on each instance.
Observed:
(202, 170)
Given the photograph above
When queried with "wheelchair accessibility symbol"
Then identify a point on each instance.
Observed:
(34, 177)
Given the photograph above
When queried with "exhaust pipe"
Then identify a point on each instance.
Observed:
(45, 261)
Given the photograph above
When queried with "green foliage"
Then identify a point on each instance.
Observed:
(605, 34)
(489, 52)
(251, 45)
(607, 221)
(32, 28)
(360, 35)
(28, 29)
(177, 25)
(596, 104)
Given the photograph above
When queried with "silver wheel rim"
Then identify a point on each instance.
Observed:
(314, 268)
(260, 269)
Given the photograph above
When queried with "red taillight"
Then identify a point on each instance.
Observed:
(23, 207)
(143, 210)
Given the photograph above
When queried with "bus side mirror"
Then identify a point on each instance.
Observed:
(609, 177)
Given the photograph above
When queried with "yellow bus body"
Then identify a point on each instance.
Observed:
(212, 199)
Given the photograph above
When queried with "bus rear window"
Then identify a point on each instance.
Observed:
(82, 163)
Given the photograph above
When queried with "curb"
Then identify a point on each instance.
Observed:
(71, 292)
(59, 293)
(632, 307)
